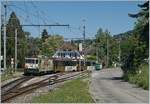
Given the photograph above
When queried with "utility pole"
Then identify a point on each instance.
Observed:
(0, 47)
(15, 49)
(5, 14)
(107, 57)
(119, 51)
(1, 42)
(97, 54)
(84, 41)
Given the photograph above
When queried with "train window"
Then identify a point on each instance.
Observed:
(58, 54)
(70, 63)
(75, 54)
(70, 55)
(29, 61)
(36, 61)
(63, 54)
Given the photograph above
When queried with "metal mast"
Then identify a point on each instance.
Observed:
(0, 44)
(107, 42)
(84, 41)
(15, 49)
(5, 14)
(119, 51)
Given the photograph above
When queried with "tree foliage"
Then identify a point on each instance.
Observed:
(14, 23)
(44, 35)
(136, 47)
(34, 46)
(103, 41)
(51, 44)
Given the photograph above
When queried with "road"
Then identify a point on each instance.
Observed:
(107, 87)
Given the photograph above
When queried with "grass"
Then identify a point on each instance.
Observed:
(75, 91)
(6, 75)
(141, 79)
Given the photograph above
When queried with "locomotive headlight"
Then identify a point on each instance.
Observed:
(26, 66)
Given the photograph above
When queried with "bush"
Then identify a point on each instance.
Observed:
(141, 77)
(91, 57)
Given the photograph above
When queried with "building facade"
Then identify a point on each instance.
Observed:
(67, 58)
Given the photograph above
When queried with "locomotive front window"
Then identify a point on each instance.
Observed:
(31, 61)
(36, 61)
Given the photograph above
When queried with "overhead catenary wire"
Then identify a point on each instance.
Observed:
(39, 14)
(44, 16)
(21, 17)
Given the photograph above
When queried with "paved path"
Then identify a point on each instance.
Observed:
(107, 87)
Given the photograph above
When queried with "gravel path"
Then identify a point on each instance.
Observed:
(107, 87)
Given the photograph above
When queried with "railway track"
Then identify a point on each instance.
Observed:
(45, 82)
(14, 84)
(18, 91)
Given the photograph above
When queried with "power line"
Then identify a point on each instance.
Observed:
(44, 25)
(38, 13)
(26, 20)
(27, 11)
(44, 15)
(21, 9)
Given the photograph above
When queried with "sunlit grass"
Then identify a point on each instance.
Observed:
(75, 91)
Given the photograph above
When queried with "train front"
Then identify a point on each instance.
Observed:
(31, 66)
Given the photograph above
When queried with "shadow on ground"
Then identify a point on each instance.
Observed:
(114, 78)
(41, 73)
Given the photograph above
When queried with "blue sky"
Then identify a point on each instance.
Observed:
(111, 15)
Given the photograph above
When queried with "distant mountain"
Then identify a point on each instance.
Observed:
(123, 35)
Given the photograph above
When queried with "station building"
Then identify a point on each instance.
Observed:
(67, 58)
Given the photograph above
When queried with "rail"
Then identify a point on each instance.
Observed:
(45, 82)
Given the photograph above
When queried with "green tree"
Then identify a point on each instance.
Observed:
(103, 41)
(136, 47)
(101, 45)
(34, 46)
(113, 51)
(142, 26)
(14, 23)
(51, 44)
(44, 35)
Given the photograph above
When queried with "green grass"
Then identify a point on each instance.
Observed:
(9, 74)
(6, 77)
(75, 91)
(141, 79)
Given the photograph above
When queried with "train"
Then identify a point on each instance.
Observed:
(35, 65)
